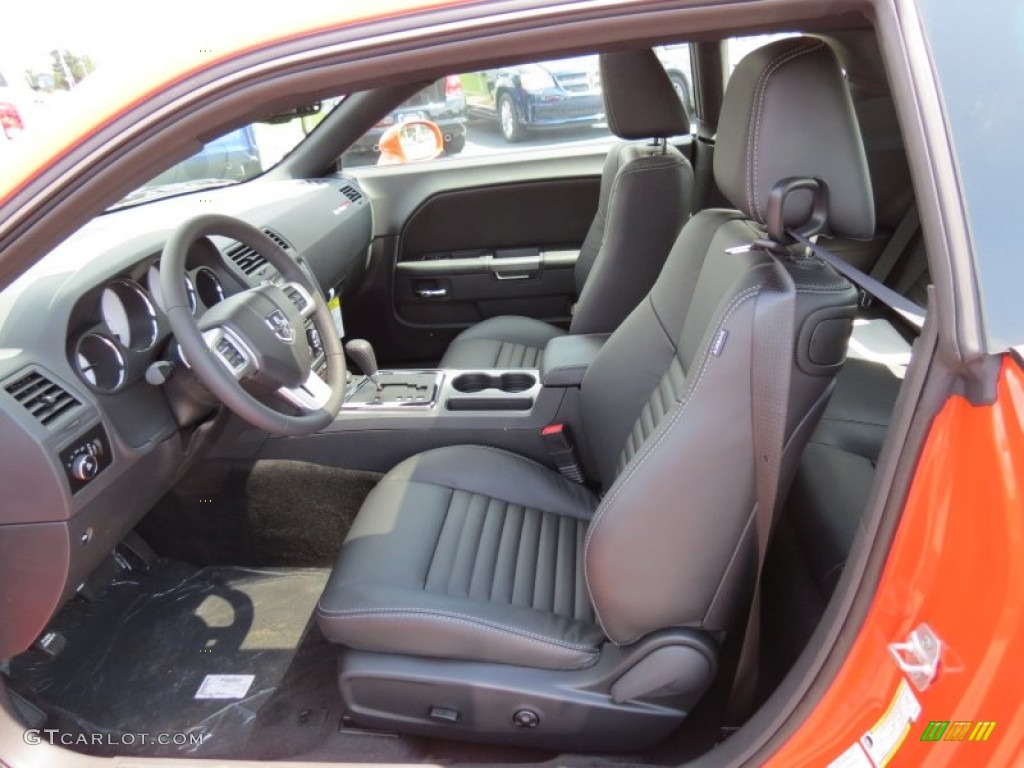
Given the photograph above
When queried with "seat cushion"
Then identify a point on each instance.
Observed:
(500, 342)
(467, 552)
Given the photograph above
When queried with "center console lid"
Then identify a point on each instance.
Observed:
(566, 358)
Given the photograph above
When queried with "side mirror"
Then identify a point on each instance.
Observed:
(410, 142)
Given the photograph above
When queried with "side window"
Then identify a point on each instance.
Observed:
(537, 106)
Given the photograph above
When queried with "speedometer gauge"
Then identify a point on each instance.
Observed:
(129, 314)
(153, 281)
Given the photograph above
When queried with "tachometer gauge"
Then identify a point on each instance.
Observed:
(100, 362)
(129, 314)
(208, 286)
(153, 281)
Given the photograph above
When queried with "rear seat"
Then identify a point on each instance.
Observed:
(825, 507)
(826, 503)
(831, 486)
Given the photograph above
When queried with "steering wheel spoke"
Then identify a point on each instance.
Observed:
(311, 395)
(300, 297)
(232, 351)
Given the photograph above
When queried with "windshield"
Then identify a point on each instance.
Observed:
(234, 157)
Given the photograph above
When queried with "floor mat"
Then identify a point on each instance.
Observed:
(140, 659)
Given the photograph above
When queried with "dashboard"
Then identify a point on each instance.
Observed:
(89, 441)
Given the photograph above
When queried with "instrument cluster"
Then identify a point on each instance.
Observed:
(124, 324)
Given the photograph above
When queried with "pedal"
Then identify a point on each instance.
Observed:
(135, 554)
(51, 643)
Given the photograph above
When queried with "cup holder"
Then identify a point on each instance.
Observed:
(516, 382)
(506, 382)
(472, 382)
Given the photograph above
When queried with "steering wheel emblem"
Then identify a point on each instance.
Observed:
(279, 324)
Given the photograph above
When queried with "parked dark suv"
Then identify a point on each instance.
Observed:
(443, 103)
(548, 94)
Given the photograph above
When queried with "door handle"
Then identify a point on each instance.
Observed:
(431, 293)
(512, 275)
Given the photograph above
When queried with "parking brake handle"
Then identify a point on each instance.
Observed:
(361, 352)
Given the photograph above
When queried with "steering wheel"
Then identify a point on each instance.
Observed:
(257, 336)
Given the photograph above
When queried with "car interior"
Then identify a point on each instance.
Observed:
(480, 459)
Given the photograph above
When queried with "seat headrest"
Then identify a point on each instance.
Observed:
(639, 99)
(788, 113)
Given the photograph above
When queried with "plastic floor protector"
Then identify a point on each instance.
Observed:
(175, 650)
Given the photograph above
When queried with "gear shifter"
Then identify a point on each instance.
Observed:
(361, 352)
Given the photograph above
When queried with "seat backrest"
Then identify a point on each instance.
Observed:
(646, 192)
(667, 404)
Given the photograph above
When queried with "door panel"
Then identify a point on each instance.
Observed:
(471, 254)
(456, 289)
(517, 215)
(485, 242)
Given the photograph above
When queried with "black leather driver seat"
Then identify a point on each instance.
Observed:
(481, 595)
(646, 195)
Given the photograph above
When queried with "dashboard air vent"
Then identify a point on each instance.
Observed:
(352, 193)
(247, 259)
(44, 399)
(277, 239)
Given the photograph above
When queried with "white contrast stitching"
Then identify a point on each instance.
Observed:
(456, 618)
(650, 446)
(759, 96)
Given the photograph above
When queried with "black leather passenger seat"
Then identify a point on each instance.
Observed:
(646, 196)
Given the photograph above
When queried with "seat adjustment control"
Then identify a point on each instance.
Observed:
(525, 718)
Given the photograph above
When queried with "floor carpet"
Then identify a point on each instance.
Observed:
(270, 513)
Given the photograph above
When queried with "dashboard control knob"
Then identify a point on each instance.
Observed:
(85, 467)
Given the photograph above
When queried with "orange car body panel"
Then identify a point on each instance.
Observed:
(957, 564)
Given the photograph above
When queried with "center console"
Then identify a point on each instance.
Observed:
(389, 415)
(491, 390)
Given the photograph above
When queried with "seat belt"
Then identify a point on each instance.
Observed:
(770, 370)
(909, 226)
(910, 311)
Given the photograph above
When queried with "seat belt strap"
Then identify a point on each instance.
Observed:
(909, 226)
(910, 311)
(770, 371)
